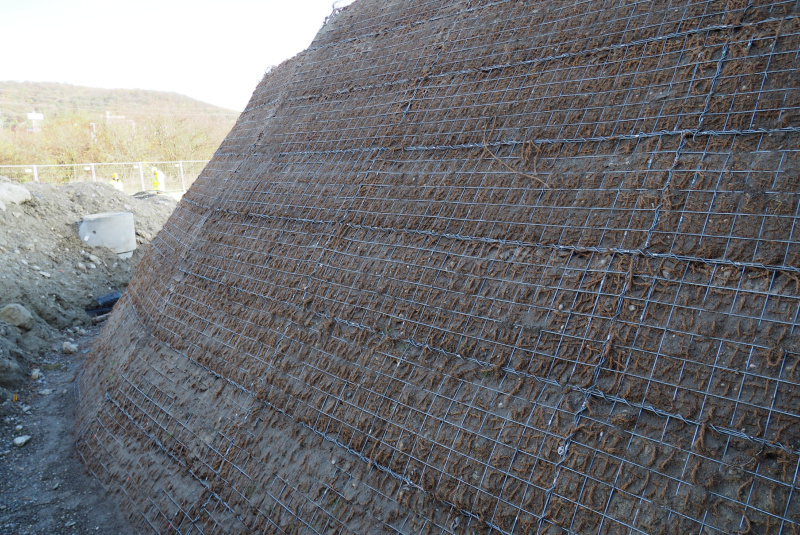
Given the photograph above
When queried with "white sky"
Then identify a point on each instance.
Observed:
(214, 51)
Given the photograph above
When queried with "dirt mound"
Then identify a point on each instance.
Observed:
(478, 267)
(46, 268)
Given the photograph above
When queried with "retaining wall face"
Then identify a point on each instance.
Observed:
(478, 267)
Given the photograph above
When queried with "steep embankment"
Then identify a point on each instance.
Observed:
(485, 267)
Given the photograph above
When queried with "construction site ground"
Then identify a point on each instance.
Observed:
(45, 268)
(46, 489)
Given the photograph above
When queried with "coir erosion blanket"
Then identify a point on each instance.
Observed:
(478, 267)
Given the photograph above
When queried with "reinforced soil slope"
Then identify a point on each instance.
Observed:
(478, 267)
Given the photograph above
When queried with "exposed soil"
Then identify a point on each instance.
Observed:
(46, 488)
(45, 267)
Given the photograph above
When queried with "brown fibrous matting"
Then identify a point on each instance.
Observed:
(478, 267)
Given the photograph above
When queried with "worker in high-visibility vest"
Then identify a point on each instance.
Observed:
(116, 183)
(158, 180)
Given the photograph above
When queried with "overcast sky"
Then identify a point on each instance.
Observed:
(214, 51)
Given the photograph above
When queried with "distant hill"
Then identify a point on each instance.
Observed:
(17, 99)
(86, 124)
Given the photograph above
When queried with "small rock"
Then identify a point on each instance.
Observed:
(70, 524)
(11, 193)
(21, 441)
(69, 348)
(44, 274)
(81, 266)
(17, 429)
(26, 408)
(146, 236)
(36, 374)
(92, 266)
(45, 392)
(93, 259)
(350, 492)
(17, 315)
(81, 331)
(100, 319)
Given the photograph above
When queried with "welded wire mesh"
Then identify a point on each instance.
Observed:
(479, 267)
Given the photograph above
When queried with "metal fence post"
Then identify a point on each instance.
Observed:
(141, 175)
(35, 174)
(94, 176)
(183, 180)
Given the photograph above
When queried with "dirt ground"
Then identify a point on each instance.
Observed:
(46, 488)
(44, 266)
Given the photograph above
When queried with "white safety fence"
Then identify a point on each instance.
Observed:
(135, 176)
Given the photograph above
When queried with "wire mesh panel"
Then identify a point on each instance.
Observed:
(478, 267)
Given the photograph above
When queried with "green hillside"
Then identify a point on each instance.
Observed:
(84, 124)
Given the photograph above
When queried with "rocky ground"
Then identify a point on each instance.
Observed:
(45, 488)
(48, 278)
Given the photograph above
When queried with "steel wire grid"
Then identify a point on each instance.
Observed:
(480, 267)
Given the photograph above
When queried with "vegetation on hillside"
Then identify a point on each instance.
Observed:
(84, 125)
